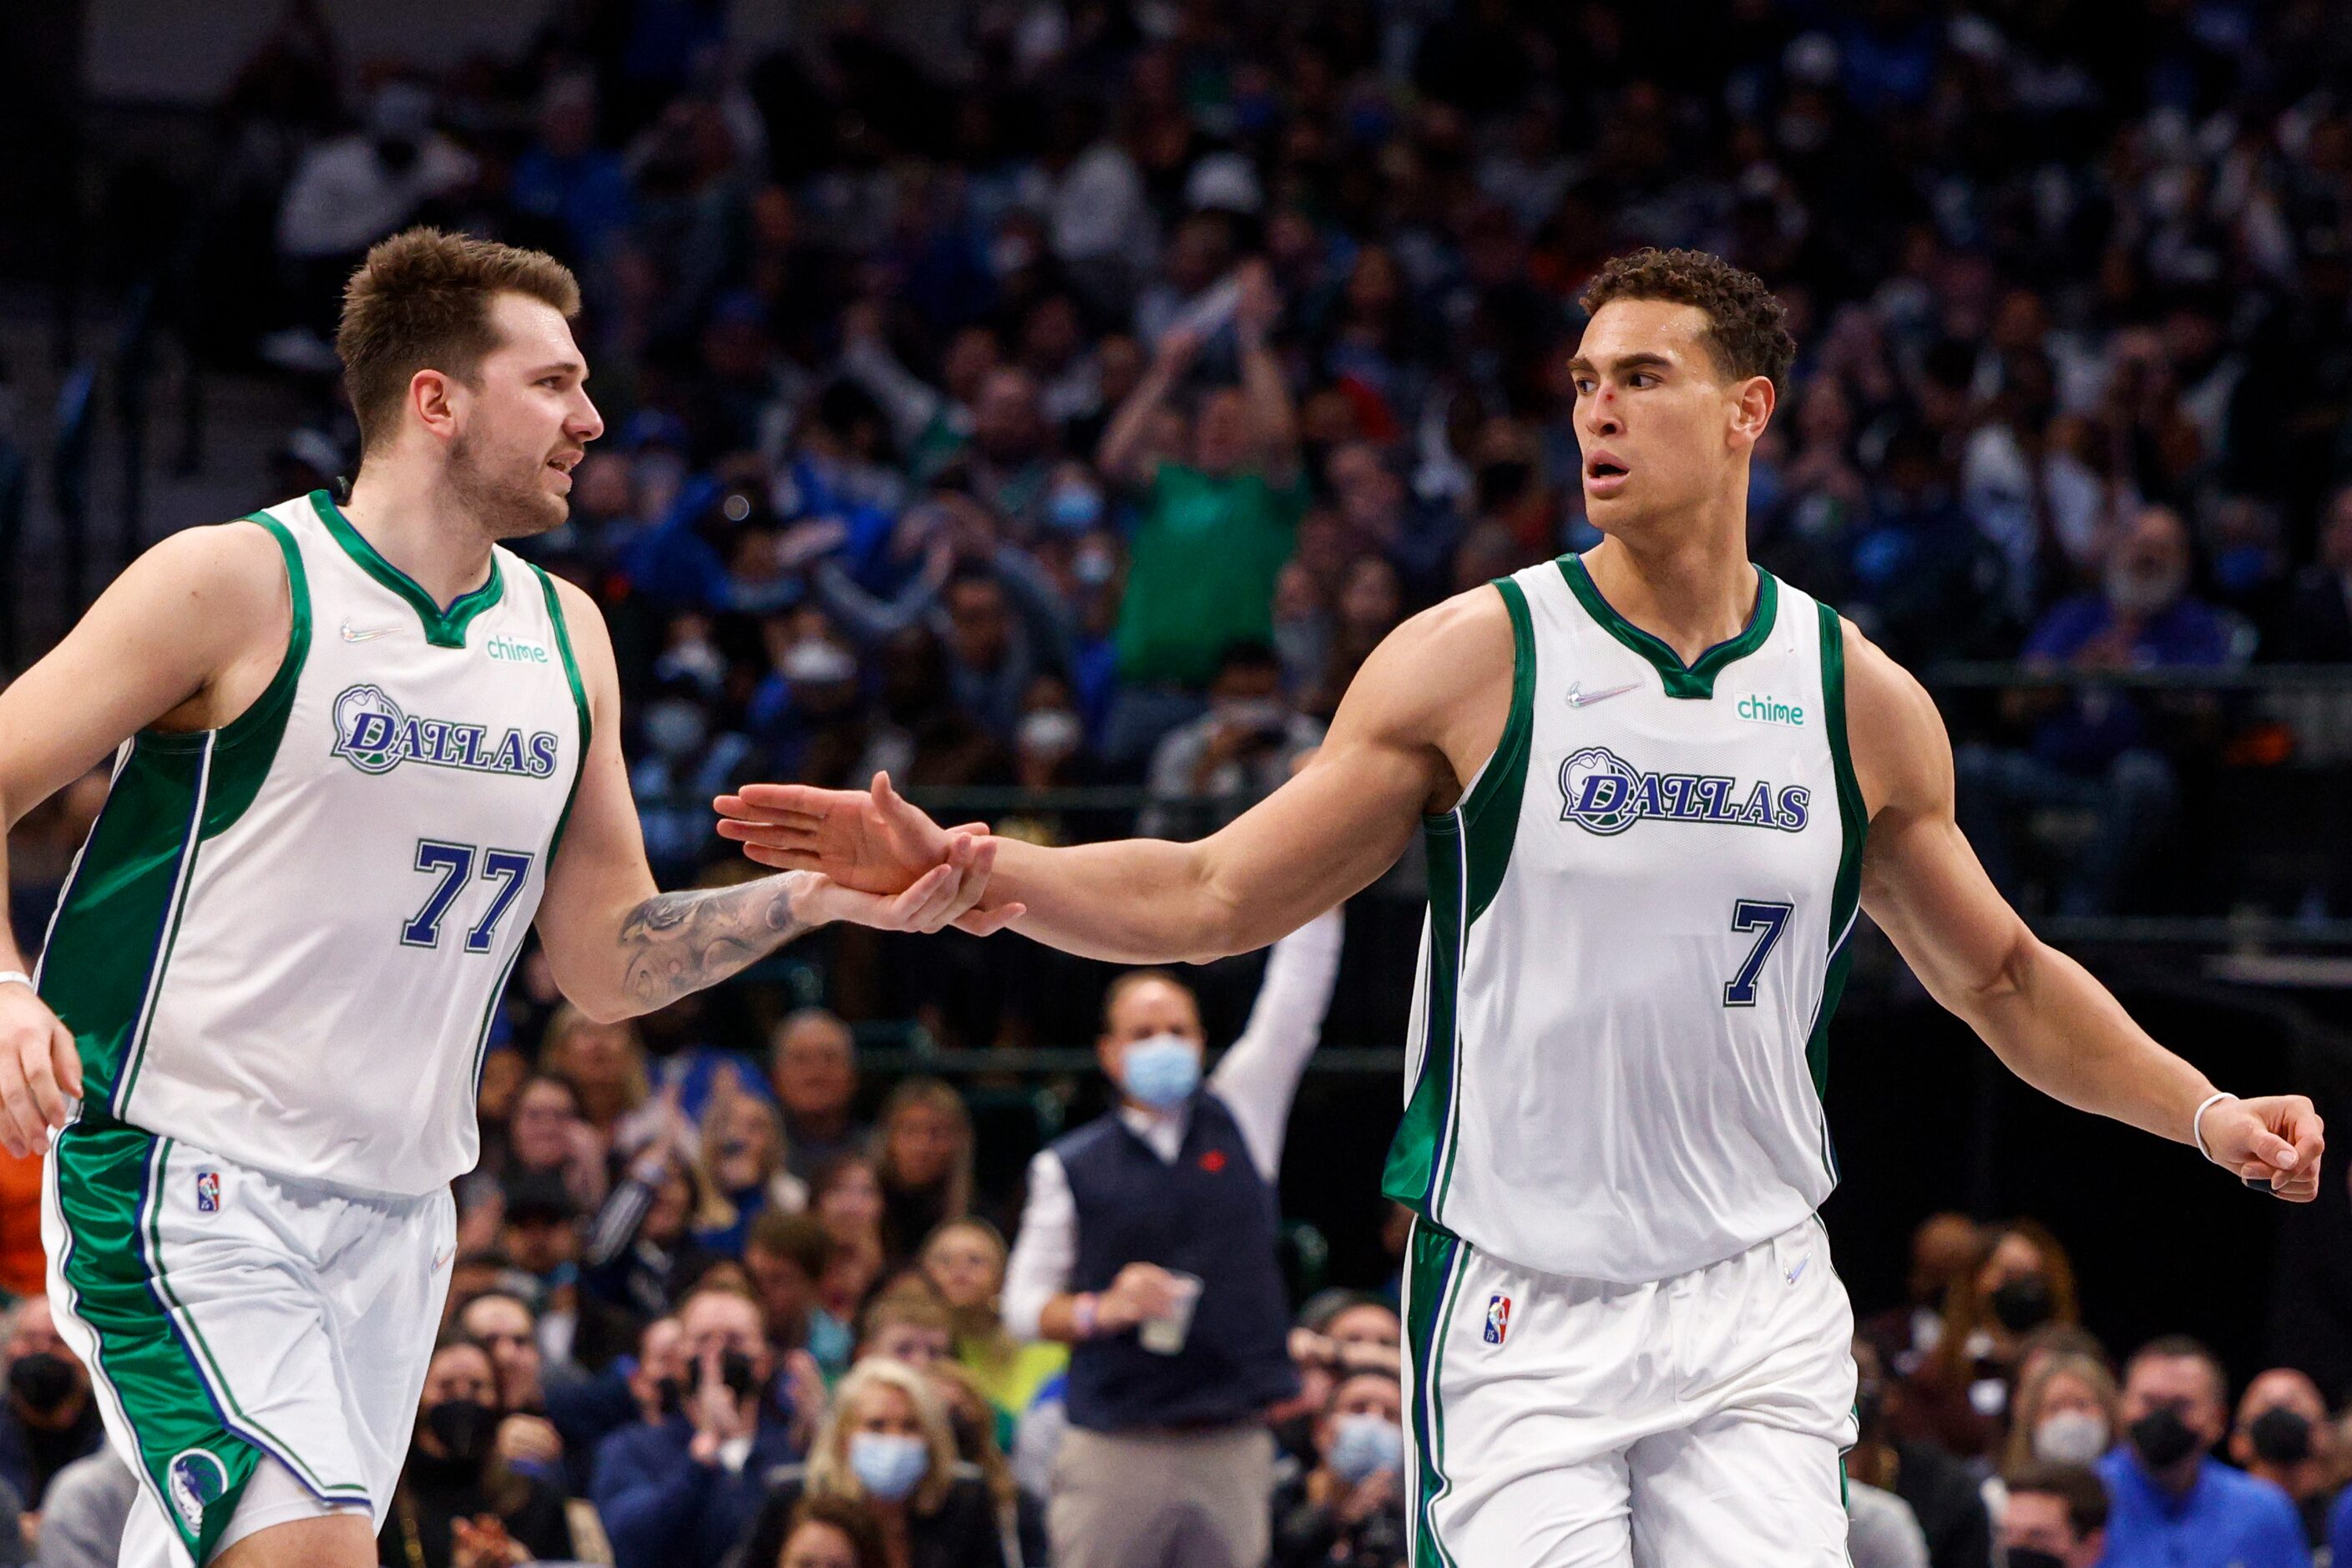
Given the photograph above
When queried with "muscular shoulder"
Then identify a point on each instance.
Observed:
(231, 569)
(1439, 685)
(1902, 757)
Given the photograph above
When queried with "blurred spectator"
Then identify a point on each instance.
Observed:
(605, 1066)
(1242, 749)
(831, 1532)
(2067, 1412)
(922, 1157)
(886, 1447)
(641, 1254)
(846, 1198)
(786, 1254)
(907, 1323)
(541, 1237)
(2095, 754)
(50, 1419)
(1215, 529)
(964, 1260)
(2283, 1436)
(743, 1149)
(547, 1137)
(1349, 1507)
(460, 1504)
(813, 1068)
(982, 1434)
(1339, 1333)
(680, 1493)
(1147, 1245)
(83, 1516)
(1940, 1491)
(1942, 1247)
(2019, 1279)
(1881, 1530)
(2057, 1517)
(2317, 627)
(552, 1414)
(2173, 1504)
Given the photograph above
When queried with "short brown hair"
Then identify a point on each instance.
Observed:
(1747, 328)
(2079, 1488)
(421, 301)
(798, 1239)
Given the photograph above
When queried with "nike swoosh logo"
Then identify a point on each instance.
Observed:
(1800, 1268)
(1580, 698)
(441, 1260)
(350, 635)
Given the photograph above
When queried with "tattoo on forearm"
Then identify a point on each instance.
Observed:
(676, 943)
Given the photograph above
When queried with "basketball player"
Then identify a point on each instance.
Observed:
(357, 750)
(1655, 784)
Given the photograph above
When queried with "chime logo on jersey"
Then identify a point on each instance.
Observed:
(208, 1192)
(374, 736)
(1498, 1319)
(1602, 792)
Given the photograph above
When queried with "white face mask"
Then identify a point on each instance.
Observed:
(2071, 1437)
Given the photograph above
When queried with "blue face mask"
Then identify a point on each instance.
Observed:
(888, 1466)
(1364, 1445)
(1161, 1072)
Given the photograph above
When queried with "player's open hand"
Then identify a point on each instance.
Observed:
(40, 1071)
(949, 894)
(869, 841)
(2275, 1141)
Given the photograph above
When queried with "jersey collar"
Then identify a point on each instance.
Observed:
(443, 628)
(1697, 678)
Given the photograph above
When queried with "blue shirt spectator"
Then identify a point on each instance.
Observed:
(680, 1492)
(2226, 1519)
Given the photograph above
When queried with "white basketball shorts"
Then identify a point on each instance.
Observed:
(234, 1323)
(1697, 1422)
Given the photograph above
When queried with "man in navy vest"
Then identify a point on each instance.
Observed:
(1167, 1462)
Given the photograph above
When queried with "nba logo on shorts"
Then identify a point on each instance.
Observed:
(208, 1192)
(1498, 1319)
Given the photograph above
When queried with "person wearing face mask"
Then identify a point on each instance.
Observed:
(1350, 1509)
(2057, 1517)
(2065, 1413)
(2173, 1504)
(887, 1449)
(2283, 1436)
(458, 1504)
(1243, 747)
(2017, 1282)
(49, 1419)
(1148, 1246)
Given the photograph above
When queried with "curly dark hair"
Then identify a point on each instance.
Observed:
(1746, 326)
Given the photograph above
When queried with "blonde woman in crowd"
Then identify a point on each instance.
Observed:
(964, 1261)
(922, 1153)
(885, 1447)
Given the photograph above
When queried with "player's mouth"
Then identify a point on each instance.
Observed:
(1605, 474)
(562, 463)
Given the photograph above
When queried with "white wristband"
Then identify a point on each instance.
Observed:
(2197, 1122)
(17, 977)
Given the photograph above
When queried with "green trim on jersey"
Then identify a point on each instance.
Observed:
(249, 744)
(103, 1187)
(1469, 851)
(1845, 897)
(579, 702)
(443, 628)
(1434, 1256)
(1697, 679)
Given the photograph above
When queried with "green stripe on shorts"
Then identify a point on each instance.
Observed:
(1435, 1258)
(196, 1465)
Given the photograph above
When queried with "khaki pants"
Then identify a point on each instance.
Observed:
(1162, 1500)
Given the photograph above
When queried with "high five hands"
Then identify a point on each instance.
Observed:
(869, 842)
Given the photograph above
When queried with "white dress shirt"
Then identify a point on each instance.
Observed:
(1258, 1081)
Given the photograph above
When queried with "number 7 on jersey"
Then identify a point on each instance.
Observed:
(1756, 915)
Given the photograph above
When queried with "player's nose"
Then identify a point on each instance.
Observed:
(585, 424)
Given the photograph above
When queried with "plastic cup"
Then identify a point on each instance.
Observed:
(1165, 1335)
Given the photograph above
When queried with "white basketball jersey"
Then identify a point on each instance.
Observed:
(1637, 933)
(283, 938)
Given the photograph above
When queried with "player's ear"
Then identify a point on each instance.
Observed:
(437, 401)
(1752, 402)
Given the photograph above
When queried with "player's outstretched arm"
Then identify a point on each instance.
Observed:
(620, 947)
(1425, 711)
(196, 625)
(2041, 1012)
